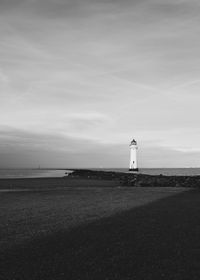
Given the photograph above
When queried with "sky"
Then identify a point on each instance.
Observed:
(79, 79)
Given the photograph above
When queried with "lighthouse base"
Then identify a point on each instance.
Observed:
(134, 169)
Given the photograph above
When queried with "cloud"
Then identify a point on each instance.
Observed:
(20, 148)
(24, 148)
(3, 77)
(101, 72)
(6, 5)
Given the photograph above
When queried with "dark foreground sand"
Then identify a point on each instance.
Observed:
(69, 228)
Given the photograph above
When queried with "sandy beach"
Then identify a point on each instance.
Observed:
(99, 140)
(79, 228)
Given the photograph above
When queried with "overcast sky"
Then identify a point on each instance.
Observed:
(80, 78)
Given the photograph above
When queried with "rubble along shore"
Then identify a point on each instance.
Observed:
(137, 179)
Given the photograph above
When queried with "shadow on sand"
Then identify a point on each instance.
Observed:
(159, 240)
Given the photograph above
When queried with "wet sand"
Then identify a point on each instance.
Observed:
(72, 228)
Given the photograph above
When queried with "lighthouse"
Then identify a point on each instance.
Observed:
(133, 156)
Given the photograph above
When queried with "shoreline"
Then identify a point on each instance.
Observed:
(136, 179)
(97, 178)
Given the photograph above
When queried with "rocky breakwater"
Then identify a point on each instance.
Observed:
(139, 180)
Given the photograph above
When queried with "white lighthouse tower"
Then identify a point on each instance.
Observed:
(133, 156)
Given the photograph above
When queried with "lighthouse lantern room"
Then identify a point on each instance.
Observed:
(133, 156)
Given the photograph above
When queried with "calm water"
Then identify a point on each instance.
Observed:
(164, 171)
(38, 173)
(30, 173)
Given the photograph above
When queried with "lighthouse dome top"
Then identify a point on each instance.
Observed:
(133, 142)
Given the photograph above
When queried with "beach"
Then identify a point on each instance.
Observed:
(77, 227)
(99, 140)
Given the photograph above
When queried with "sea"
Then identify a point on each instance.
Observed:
(46, 173)
(32, 173)
(165, 171)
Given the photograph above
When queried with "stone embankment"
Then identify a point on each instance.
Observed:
(139, 180)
